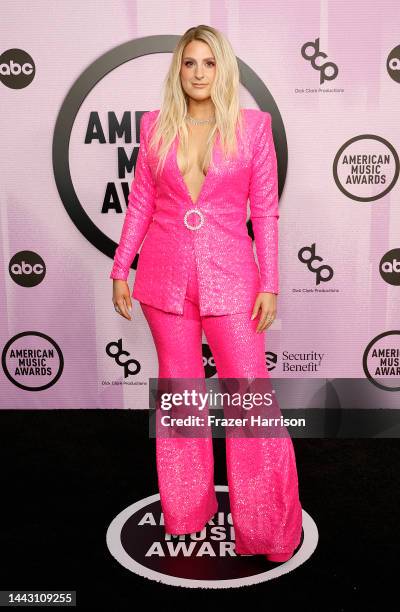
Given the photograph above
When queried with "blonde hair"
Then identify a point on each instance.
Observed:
(224, 94)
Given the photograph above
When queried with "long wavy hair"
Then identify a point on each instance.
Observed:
(224, 94)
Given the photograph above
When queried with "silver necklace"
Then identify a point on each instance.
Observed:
(199, 121)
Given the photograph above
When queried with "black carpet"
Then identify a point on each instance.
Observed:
(65, 474)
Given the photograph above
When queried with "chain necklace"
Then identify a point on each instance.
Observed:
(199, 121)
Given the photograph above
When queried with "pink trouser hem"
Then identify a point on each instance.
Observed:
(246, 551)
(188, 529)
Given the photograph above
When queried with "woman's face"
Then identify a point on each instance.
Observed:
(198, 67)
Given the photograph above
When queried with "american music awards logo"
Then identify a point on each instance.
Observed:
(93, 136)
(136, 538)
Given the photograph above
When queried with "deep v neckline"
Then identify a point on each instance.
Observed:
(183, 182)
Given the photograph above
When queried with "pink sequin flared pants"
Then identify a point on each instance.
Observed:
(262, 475)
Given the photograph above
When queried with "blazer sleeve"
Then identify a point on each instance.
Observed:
(140, 208)
(264, 205)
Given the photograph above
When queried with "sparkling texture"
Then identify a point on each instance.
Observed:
(228, 276)
(140, 207)
(262, 475)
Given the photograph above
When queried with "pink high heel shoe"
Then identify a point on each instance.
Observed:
(279, 557)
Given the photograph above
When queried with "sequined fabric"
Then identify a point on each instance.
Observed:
(262, 475)
(228, 274)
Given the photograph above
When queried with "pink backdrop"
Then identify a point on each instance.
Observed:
(60, 288)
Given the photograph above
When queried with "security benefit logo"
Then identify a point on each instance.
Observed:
(136, 538)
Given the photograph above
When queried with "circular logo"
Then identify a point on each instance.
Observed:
(137, 540)
(17, 68)
(389, 267)
(366, 168)
(27, 268)
(381, 360)
(32, 361)
(393, 64)
(78, 117)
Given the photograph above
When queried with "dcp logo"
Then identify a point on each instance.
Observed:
(323, 68)
(322, 273)
(131, 367)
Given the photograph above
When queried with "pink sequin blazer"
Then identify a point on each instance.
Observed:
(216, 235)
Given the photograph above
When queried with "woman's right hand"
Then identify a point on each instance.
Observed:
(122, 299)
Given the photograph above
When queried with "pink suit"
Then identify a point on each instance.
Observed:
(189, 280)
(227, 270)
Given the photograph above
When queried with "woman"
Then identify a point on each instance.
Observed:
(201, 158)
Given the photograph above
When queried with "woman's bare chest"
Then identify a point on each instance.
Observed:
(194, 176)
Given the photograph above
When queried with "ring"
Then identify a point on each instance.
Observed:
(116, 308)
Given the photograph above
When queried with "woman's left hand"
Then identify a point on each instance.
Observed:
(267, 303)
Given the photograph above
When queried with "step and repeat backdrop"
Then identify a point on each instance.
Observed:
(75, 78)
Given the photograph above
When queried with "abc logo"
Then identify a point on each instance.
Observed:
(17, 68)
(393, 64)
(27, 268)
(389, 267)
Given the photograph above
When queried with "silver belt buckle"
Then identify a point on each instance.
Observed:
(198, 212)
